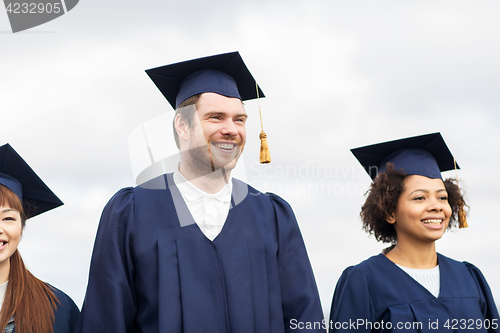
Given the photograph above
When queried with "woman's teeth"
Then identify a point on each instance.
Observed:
(432, 221)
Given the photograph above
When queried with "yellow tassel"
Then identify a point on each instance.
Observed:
(265, 155)
(462, 218)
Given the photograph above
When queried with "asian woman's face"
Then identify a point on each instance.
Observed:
(423, 212)
(10, 233)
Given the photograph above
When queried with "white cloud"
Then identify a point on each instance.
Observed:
(337, 75)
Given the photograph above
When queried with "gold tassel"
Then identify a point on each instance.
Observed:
(462, 216)
(265, 155)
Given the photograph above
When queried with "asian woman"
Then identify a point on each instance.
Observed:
(28, 305)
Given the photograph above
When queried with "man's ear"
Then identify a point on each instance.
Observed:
(182, 127)
(391, 218)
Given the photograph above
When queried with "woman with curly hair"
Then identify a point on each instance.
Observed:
(27, 304)
(410, 287)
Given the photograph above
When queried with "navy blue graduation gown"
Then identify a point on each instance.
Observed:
(150, 274)
(379, 292)
(66, 314)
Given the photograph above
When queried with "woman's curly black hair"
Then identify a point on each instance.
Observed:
(382, 201)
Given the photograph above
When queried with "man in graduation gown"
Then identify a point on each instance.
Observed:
(196, 250)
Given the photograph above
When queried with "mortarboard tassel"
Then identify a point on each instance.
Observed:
(265, 154)
(462, 217)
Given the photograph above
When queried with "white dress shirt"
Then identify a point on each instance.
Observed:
(209, 211)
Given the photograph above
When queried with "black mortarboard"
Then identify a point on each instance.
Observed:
(425, 155)
(18, 176)
(225, 74)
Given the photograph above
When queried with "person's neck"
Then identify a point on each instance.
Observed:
(4, 271)
(211, 183)
(414, 255)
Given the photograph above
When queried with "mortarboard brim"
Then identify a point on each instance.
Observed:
(208, 74)
(18, 176)
(426, 155)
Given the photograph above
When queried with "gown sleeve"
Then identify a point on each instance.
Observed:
(351, 303)
(110, 302)
(299, 293)
(488, 307)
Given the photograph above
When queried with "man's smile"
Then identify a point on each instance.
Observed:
(226, 147)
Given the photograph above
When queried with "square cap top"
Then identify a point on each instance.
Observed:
(425, 155)
(225, 74)
(18, 176)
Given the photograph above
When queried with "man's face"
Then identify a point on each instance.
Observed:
(218, 134)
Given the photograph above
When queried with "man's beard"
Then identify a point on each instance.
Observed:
(202, 161)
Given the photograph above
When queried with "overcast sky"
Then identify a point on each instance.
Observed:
(337, 75)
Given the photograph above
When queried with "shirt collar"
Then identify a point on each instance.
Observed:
(192, 193)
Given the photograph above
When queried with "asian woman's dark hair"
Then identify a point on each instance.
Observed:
(382, 201)
(29, 300)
